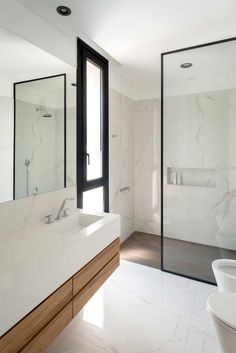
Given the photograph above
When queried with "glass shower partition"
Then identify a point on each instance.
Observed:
(198, 158)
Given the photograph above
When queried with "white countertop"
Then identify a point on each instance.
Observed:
(36, 261)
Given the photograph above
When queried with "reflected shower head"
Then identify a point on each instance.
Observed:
(46, 114)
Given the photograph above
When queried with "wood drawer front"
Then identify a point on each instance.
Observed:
(50, 332)
(81, 278)
(14, 340)
(87, 292)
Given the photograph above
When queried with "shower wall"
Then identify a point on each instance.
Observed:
(40, 134)
(121, 160)
(147, 166)
(134, 150)
(200, 168)
(6, 149)
(198, 126)
(44, 148)
(36, 133)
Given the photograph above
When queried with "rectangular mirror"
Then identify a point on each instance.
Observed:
(37, 113)
(39, 119)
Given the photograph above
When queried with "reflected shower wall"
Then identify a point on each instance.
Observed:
(199, 159)
(6, 148)
(39, 136)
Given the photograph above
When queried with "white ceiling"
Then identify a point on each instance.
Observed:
(213, 69)
(21, 60)
(135, 32)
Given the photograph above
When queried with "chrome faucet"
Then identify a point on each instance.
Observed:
(59, 214)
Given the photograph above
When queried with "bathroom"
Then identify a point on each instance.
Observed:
(115, 230)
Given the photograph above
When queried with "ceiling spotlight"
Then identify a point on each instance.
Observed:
(63, 10)
(186, 65)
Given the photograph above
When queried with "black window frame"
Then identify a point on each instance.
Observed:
(84, 53)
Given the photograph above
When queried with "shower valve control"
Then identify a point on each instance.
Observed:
(48, 219)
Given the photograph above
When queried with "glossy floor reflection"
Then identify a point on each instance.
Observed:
(142, 310)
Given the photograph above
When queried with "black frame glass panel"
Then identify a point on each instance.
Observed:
(85, 53)
(186, 258)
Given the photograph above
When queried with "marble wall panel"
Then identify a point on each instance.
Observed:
(121, 160)
(147, 166)
(200, 134)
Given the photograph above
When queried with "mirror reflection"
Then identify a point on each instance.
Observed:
(39, 119)
(37, 112)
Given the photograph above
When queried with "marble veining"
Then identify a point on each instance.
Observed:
(135, 163)
(6, 148)
(44, 149)
(203, 127)
(121, 162)
(142, 310)
(147, 166)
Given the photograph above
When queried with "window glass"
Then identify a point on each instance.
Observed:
(94, 143)
(93, 200)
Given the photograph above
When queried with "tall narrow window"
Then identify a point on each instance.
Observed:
(92, 129)
(94, 112)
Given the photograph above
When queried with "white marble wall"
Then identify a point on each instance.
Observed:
(20, 214)
(200, 141)
(6, 149)
(147, 166)
(121, 160)
(41, 140)
(71, 146)
(44, 147)
(200, 134)
(135, 163)
(26, 212)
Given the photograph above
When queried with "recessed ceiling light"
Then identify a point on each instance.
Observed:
(186, 65)
(63, 10)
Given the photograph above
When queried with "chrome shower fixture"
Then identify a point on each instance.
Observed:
(46, 114)
(27, 162)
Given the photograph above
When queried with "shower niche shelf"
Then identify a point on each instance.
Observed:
(195, 177)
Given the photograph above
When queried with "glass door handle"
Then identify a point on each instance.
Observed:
(88, 157)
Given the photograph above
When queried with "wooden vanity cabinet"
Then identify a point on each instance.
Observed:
(23, 332)
(35, 332)
(45, 337)
(92, 286)
(81, 278)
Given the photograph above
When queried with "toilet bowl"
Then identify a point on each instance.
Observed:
(225, 274)
(222, 310)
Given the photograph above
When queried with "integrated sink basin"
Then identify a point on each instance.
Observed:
(74, 223)
(35, 261)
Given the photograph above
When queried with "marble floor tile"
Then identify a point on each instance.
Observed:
(142, 310)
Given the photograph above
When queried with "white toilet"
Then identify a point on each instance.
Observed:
(225, 275)
(222, 309)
